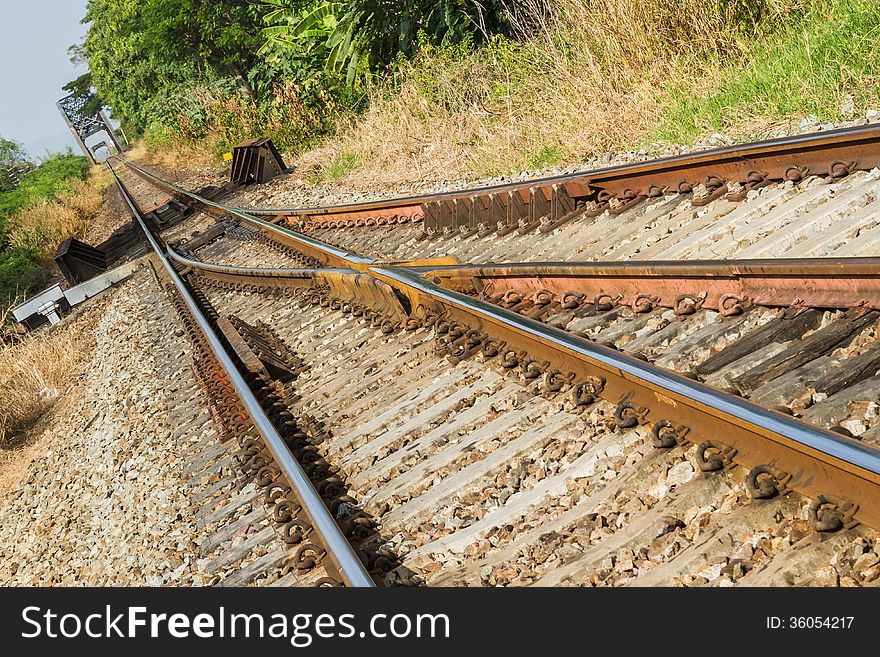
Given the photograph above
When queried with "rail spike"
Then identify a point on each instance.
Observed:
(764, 482)
(712, 456)
(666, 434)
(831, 514)
(586, 392)
(629, 415)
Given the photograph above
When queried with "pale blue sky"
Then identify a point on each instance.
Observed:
(34, 65)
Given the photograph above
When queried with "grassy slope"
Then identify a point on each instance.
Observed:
(826, 64)
(590, 76)
(53, 201)
(46, 181)
(580, 87)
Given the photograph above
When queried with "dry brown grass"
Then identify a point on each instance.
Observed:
(37, 377)
(558, 96)
(35, 369)
(42, 225)
(175, 154)
(35, 372)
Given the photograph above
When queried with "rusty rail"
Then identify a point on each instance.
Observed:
(723, 285)
(546, 202)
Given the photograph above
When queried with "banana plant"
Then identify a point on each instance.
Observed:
(360, 36)
(305, 29)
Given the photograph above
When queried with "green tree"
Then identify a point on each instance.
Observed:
(150, 60)
(141, 52)
(222, 36)
(13, 162)
(127, 69)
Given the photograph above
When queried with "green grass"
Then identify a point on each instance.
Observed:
(46, 181)
(345, 163)
(20, 270)
(20, 274)
(546, 156)
(808, 66)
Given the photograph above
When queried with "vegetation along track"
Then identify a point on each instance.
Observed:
(545, 423)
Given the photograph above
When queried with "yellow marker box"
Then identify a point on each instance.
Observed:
(227, 157)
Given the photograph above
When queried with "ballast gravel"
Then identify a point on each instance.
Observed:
(107, 504)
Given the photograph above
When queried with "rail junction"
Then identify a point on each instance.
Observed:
(552, 382)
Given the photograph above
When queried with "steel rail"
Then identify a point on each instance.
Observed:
(327, 253)
(849, 467)
(349, 284)
(850, 451)
(255, 272)
(339, 549)
(807, 282)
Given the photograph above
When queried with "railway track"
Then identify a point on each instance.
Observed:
(250, 415)
(763, 200)
(606, 423)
